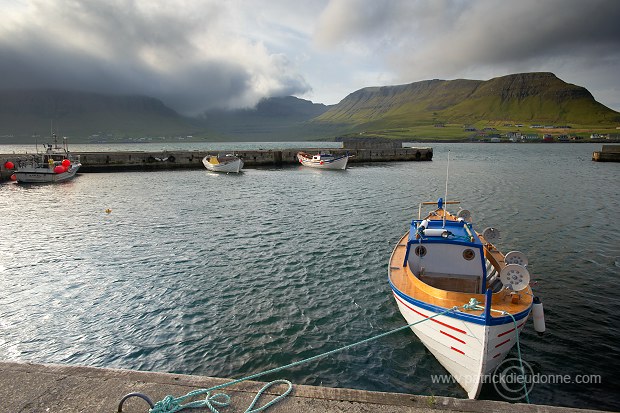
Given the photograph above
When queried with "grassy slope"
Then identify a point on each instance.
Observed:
(407, 111)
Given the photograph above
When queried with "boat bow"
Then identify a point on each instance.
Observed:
(441, 264)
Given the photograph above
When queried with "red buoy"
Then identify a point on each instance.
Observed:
(66, 163)
(58, 169)
(13, 177)
(9, 165)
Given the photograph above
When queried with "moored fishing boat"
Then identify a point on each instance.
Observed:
(54, 165)
(223, 163)
(472, 298)
(323, 160)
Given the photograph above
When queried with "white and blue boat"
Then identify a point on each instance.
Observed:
(483, 297)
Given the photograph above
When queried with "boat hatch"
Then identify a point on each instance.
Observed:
(448, 255)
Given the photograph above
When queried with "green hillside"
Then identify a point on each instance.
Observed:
(432, 109)
(521, 98)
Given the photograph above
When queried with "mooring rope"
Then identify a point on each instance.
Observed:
(172, 404)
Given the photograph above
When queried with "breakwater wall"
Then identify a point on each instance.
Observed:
(169, 160)
(609, 153)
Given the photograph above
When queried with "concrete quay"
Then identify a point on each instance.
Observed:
(95, 162)
(170, 160)
(48, 388)
(609, 153)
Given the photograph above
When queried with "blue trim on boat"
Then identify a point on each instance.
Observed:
(487, 306)
(332, 158)
(456, 228)
(37, 173)
(484, 270)
(459, 315)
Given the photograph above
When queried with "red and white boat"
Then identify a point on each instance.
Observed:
(54, 165)
(443, 266)
(323, 160)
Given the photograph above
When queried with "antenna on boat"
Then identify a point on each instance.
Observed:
(445, 198)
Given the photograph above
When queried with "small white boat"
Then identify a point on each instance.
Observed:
(323, 160)
(56, 164)
(468, 299)
(223, 163)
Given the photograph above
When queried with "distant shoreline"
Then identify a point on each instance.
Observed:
(288, 143)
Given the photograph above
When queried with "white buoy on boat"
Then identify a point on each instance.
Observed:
(538, 314)
(465, 214)
(516, 257)
(436, 232)
(491, 234)
(514, 277)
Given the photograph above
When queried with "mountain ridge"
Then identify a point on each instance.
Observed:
(517, 98)
(537, 96)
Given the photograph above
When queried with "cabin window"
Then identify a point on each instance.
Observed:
(420, 251)
(469, 254)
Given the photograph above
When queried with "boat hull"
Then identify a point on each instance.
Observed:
(42, 175)
(469, 351)
(234, 166)
(336, 163)
(475, 331)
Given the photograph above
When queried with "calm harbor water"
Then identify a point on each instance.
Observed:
(225, 275)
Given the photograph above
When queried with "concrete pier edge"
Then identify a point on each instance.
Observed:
(608, 153)
(174, 160)
(52, 388)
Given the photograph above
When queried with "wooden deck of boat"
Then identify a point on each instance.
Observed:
(405, 281)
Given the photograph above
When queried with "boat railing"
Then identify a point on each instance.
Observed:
(434, 203)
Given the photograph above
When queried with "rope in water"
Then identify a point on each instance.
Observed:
(171, 404)
(475, 305)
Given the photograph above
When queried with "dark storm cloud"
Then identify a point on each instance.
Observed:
(491, 30)
(200, 54)
(577, 40)
(181, 56)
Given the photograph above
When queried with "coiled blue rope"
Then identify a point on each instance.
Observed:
(171, 404)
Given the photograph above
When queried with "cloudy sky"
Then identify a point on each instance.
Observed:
(202, 54)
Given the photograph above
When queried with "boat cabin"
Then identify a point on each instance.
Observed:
(447, 255)
(213, 160)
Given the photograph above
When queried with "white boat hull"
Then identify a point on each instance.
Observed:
(39, 175)
(469, 351)
(337, 163)
(228, 167)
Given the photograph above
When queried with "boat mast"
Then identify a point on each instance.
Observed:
(445, 198)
